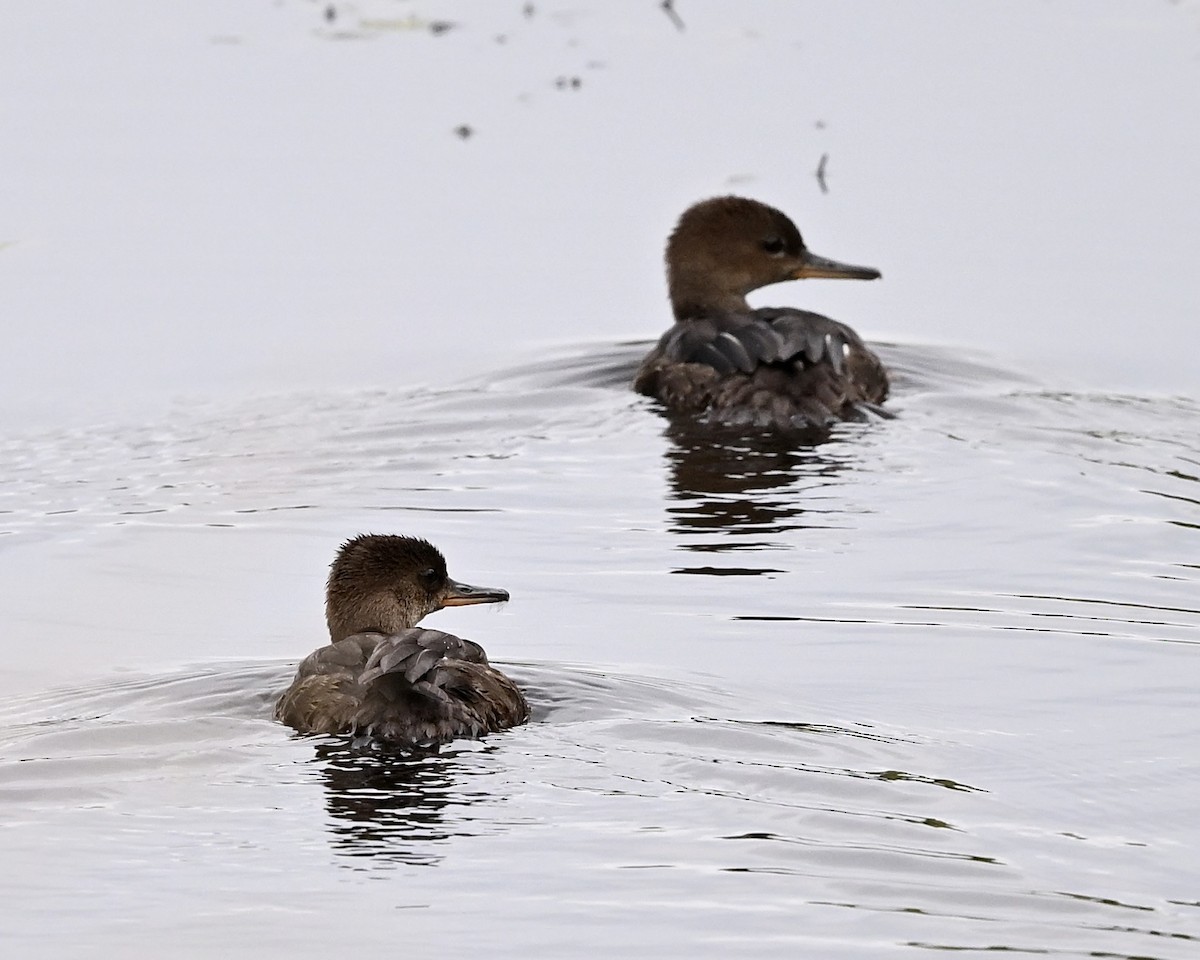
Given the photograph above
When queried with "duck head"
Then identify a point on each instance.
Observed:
(388, 583)
(723, 248)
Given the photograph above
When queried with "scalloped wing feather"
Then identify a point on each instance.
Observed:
(776, 367)
(416, 687)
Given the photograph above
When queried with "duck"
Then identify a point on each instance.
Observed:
(382, 679)
(777, 368)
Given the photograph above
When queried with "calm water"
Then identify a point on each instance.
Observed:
(931, 684)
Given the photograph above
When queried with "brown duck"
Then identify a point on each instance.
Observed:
(774, 367)
(385, 679)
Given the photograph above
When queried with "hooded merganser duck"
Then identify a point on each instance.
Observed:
(381, 676)
(774, 367)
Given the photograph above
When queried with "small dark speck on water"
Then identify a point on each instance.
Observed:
(464, 132)
(438, 27)
(821, 173)
(668, 7)
(330, 13)
(568, 83)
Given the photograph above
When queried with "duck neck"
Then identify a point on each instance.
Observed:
(379, 612)
(695, 293)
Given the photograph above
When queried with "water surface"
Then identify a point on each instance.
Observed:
(929, 684)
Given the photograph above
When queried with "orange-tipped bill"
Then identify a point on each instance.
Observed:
(463, 594)
(814, 266)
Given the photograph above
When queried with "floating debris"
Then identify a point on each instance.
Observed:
(668, 7)
(410, 23)
(821, 172)
(463, 132)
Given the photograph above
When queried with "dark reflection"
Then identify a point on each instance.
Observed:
(390, 806)
(747, 486)
(812, 730)
(729, 571)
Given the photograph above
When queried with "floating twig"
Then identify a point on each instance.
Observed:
(668, 7)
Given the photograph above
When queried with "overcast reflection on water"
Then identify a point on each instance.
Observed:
(281, 273)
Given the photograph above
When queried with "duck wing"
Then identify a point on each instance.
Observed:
(774, 367)
(419, 656)
(413, 688)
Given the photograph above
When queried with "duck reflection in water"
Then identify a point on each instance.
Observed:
(391, 807)
(732, 489)
(779, 368)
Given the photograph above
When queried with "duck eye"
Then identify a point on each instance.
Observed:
(429, 576)
(773, 246)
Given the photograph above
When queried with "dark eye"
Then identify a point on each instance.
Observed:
(429, 577)
(773, 246)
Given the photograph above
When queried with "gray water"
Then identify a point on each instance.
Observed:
(932, 683)
(928, 686)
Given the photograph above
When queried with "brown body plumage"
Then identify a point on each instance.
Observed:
(777, 367)
(384, 678)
